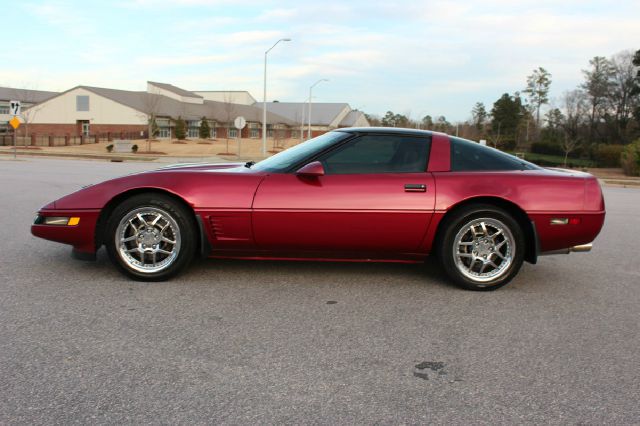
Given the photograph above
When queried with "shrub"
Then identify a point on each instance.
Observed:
(630, 159)
(181, 129)
(548, 148)
(134, 148)
(205, 130)
(608, 155)
(110, 147)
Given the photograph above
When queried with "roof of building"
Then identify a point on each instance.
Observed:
(322, 114)
(351, 118)
(160, 105)
(174, 89)
(25, 95)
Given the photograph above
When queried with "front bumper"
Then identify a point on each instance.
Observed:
(81, 235)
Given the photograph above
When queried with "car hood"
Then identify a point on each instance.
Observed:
(198, 166)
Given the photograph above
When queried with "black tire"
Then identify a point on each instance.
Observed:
(460, 262)
(185, 238)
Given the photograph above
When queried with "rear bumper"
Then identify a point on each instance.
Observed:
(580, 229)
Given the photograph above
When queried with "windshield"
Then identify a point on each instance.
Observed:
(282, 161)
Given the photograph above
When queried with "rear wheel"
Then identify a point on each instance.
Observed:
(151, 237)
(482, 247)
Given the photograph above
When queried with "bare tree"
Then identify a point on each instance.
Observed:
(30, 107)
(151, 104)
(494, 135)
(229, 111)
(575, 107)
(597, 85)
(278, 136)
(568, 145)
(621, 96)
(300, 116)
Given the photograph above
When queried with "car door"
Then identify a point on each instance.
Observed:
(375, 196)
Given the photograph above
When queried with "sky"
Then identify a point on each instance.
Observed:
(410, 57)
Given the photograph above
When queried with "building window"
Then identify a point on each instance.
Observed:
(164, 132)
(4, 109)
(254, 133)
(214, 131)
(82, 103)
(233, 133)
(193, 129)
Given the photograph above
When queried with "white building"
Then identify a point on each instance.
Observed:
(87, 110)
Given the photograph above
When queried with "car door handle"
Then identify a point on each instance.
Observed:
(415, 187)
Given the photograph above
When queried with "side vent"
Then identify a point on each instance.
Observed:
(216, 227)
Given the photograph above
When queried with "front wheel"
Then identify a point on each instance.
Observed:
(482, 247)
(150, 237)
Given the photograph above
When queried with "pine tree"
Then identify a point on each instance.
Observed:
(181, 129)
(205, 130)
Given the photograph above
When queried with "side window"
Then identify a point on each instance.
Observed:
(379, 154)
(470, 156)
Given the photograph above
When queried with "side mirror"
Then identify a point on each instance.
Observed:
(313, 169)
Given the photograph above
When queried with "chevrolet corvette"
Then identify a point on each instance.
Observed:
(354, 194)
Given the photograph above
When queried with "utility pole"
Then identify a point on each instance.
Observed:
(310, 92)
(264, 99)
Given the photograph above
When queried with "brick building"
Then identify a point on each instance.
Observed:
(86, 110)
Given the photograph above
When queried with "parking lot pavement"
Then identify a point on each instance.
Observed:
(300, 342)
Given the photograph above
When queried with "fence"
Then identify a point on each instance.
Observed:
(67, 140)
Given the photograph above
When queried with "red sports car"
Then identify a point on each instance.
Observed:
(357, 194)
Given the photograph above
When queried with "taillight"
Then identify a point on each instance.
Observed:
(593, 200)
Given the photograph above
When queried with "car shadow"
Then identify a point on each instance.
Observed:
(427, 273)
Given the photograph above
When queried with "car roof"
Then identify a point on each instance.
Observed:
(387, 130)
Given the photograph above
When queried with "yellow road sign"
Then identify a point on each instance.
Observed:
(15, 123)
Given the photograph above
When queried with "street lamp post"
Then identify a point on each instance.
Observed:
(264, 99)
(310, 91)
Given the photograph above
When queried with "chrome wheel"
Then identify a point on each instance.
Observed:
(148, 239)
(484, 249)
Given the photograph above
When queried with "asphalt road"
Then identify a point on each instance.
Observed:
(325, 343)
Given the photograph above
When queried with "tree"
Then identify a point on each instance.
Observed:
(427, 122)
(394, 120)
(636, 85)
(30, 108)
(151, 105)
(537, 91)
(506, 116)
(205, 130)
(479, 114)
(229, 110)
(442, 125)
(575, 114)
(374, 120)
(622, 96)
(180, 129)
(153, 128)
(153, 131)
(597, 85)
(554, 130)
